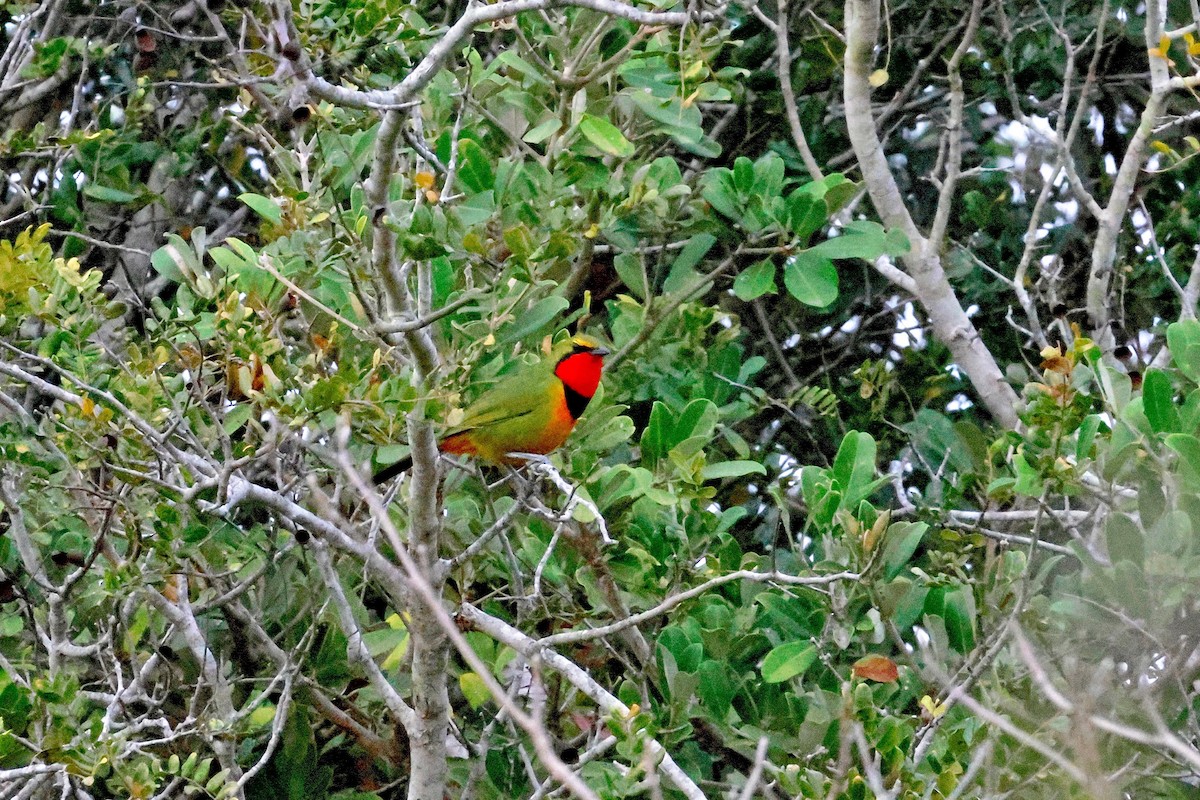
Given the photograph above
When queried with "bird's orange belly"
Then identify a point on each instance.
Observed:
(494, 442)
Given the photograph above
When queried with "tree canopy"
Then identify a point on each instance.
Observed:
(891, 488)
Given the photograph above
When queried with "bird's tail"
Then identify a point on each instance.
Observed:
(392, 470)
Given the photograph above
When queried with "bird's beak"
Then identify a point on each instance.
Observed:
(601, 351)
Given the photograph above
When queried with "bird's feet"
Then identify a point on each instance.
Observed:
(528, 458)
(541, 466)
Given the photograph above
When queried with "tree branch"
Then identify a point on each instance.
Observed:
(947, 317)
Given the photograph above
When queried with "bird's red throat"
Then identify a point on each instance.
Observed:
(581, 372)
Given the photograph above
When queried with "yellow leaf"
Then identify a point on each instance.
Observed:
(474, 689)
(270, 379)
(88, 406)
(1194, 49)
(933, 708)
(262, 716)
(878, 78)
(1164, 43)
(875, 533)
(396, 657)
(1156, 52)
(245, 381)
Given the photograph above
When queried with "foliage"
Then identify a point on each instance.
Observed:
(241, 270)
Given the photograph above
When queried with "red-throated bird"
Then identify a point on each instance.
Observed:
(532, 410)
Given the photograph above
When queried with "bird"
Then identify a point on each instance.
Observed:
(528, 412)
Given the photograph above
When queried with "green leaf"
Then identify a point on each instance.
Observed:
(755, 281)
(475, 166)
(719, 193)
(698, 418)
(1158, 402)
(168, 263)
(1125, 540)
(656, 438)
(822, 500)
(732, 469)
(605, 136)
(682, 273)
(476, 209)
(788, 661)
(107, 194)
(176, 260)
(959, 614)
(1183, 338)
(900, 541)
(386, 641)
(474, 689)
(265, 207)
(543, 132)
(769, 174)
(903, 601)
(854, 467)
(806, 214)
(743, 175)
(840, 192)
(715, 690)
(1029, 480)
(1189, 413)
(934, 435)
(897, 243)
(628, 267)
(236, 417)
(668, 112)
(1188, 448)
(811, 278)
(533, 320)
(860, 239)
(1086, 436)
(11, 625)
(519, 241)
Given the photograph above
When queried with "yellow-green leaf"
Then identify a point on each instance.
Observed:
(474, 689)
(605, 136)
(788, 660)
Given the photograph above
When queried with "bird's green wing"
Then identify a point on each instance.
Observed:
(519, 394)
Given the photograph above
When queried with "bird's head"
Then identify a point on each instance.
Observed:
(578, 363)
